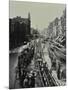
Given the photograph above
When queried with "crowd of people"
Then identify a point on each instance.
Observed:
(47, 78)
(26, 77)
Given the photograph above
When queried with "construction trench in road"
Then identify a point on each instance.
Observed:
(33, 68)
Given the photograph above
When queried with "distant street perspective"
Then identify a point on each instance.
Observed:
(37, 57)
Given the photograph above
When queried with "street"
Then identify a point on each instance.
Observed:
(40, 64)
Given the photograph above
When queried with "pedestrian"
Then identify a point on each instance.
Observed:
(33, 80)
(26, 82)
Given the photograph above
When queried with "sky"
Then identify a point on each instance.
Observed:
(41, 13)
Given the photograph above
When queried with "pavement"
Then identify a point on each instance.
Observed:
(13, 59)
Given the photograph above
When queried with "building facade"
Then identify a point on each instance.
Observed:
(58, 26)
(19, 30)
